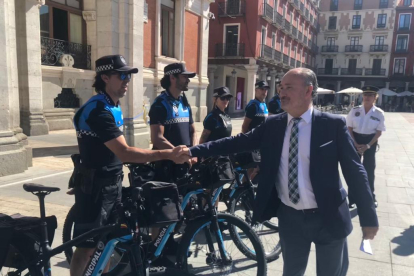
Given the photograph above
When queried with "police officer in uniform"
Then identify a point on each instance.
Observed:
(171, 119)
(217, 123)
(256, 113)
(97, 178)
(274, 105)
(366, 124)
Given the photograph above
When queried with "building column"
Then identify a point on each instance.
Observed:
(387, 85)
(338, 96)
(14, 156)
(136, 130)
(362, 84)
(211, 86)
(89, 15)
(407, 84)
(233, 91)
(272, 91)
(30, 68)
(250, 82)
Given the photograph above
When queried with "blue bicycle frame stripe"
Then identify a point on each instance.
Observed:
(204, 225)
(106, 255)
(216, 195)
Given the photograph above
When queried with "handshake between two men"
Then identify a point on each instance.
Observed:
(181, 154)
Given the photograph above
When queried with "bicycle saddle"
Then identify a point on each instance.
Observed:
(32, 188)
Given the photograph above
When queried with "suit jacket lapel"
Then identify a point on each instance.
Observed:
(315, 134)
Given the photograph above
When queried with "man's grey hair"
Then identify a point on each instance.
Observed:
(309, 77)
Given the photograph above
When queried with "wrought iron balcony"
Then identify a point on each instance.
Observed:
(267, 12)
(230, 50)
(351, 71)
(358, 6)
(285, 59)
(328, 71)
(353, 48)
(305, 40)
(287, 27)
(401, 50)
(311, 19)
(232, 7)
(53, 49)
(378, 48)
(292, 62)
(300, 36)
(294, 32)
(403, 28)
(310, 43)
(330, 48)
(296, 4)
(381, 26)
(278, 20)
(307, 14)
(302, 8)
(270, 54)
(375, 72)
(298, 64)
(314, 48)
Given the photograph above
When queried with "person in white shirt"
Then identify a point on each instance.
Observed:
(366, 124)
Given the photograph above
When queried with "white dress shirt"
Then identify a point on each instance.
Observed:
(366, 123)
(307, 197)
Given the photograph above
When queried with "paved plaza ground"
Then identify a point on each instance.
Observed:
(393, 247)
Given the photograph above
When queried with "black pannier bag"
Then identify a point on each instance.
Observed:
(25, 238)
(6, 232)
(215, 172)
(162, 204)
(244, 160)
(140, 174)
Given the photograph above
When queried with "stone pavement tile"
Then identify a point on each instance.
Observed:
(394, 208)
(398, 195)
(399, 270)
(402, 252)
(397, 183)
(401, 221)
(410, 192)
(363, 267)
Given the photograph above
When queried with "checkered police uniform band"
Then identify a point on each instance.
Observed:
(104, 68)
(173, 71)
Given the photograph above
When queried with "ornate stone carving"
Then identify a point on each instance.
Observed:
(67, 60)
(89, 15)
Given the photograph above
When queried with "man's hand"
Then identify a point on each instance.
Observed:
(362, 149)
(369, 233)
(193, 160)
(180, 154)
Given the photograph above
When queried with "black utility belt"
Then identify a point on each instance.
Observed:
(364, 135)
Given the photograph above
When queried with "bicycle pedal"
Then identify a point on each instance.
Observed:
(157, 269)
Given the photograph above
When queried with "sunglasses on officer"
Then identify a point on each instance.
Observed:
(122, 75)
(225, 98)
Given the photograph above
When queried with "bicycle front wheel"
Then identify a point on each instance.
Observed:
(241, 205)
(199, 252)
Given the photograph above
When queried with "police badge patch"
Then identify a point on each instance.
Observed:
(175, 108)
(357, 114)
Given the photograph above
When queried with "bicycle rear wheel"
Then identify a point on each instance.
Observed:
(197, 257)
(119, 258)
(19, 262)
(241, 205)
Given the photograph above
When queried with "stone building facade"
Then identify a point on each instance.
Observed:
(355, 41)
(259, 39)
(49, 48)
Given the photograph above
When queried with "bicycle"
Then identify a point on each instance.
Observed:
(239, 199)
(202, 237)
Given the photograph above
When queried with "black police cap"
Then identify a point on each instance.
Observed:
(369, 89)
(113, 63)
(177, 68)
(222, 92)
(262, 84)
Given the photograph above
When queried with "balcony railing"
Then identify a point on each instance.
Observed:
(302, 8)
(230, 50)
(380, 26)
(296, 4)
(378, 48)
(311, 19)
(401, 50)
(298, 64)
(351, 71)
(294, 32)
(330, 48)
(310, 43)
(307, 14)
(353, 48)
(403, 28)
(375, 72)
(357, 6)
(286, 59)
(292, 62)
(53, 49)
(300, 36)
(278, 20)
(267, 12)
(268, 53)
(305, 40)
(328, 71)
(314, 48)
(233, 8)
(287, 26)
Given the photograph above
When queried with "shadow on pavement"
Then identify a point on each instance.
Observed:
(405, 242)
(63, 264)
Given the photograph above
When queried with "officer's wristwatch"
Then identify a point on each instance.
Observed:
(368, 146)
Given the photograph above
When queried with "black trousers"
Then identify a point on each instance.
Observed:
(368, 159)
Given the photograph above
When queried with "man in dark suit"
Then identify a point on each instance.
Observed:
(299, 178)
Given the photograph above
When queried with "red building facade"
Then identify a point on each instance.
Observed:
(402, 54)
(259, 39)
